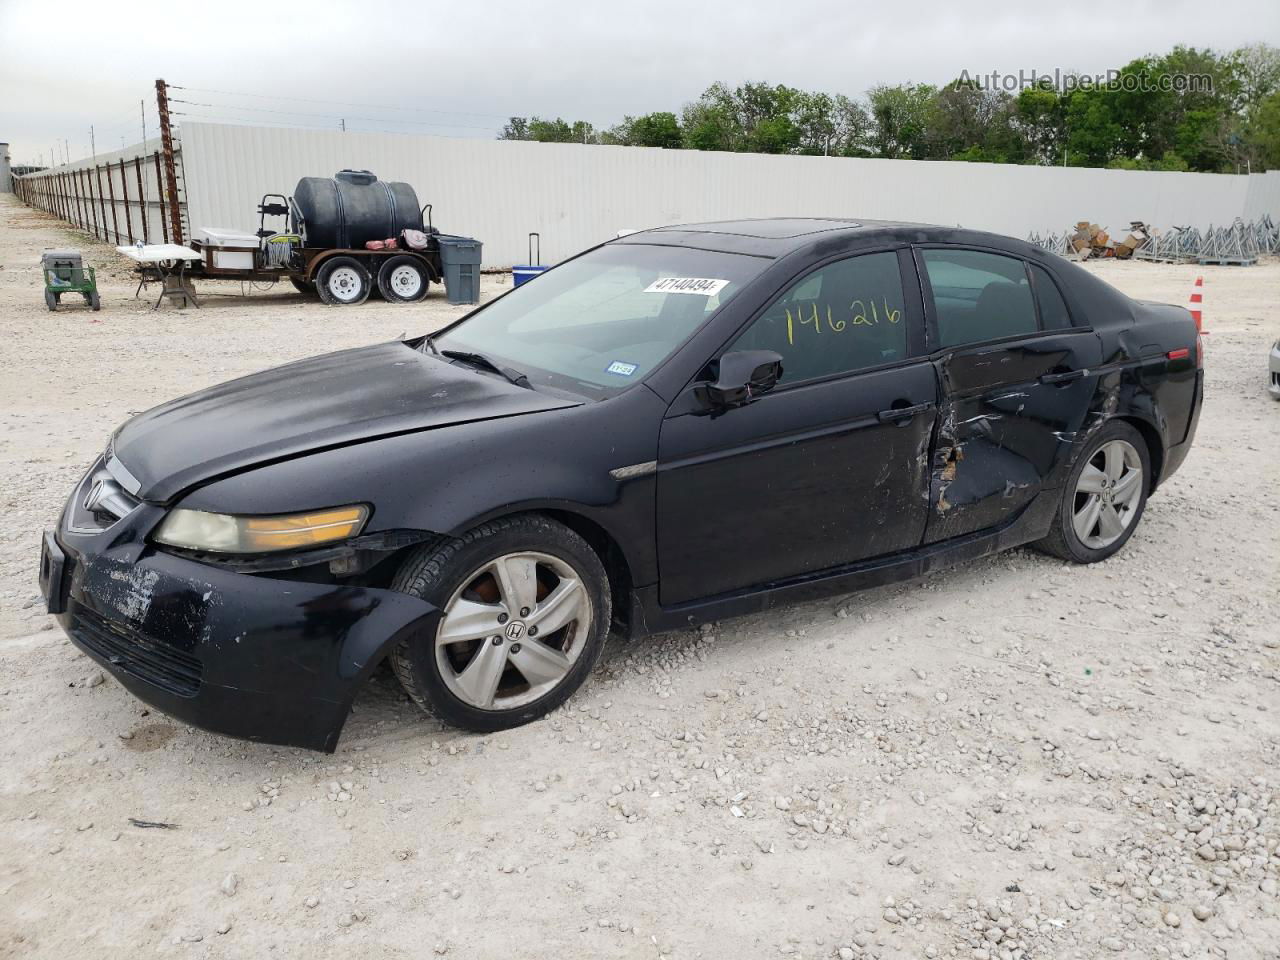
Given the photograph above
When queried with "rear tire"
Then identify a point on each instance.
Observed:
(50, 299)
(1104, 497)
(343, 282)
(95, 301)
(403, 279)
(497, 586)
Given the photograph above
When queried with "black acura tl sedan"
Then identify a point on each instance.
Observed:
(680, 425)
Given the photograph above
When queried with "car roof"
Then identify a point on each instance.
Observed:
(779, 236)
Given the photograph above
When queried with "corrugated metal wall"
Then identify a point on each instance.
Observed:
(577, 196)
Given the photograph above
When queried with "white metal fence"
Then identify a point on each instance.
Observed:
(576, 195)
(119, 197)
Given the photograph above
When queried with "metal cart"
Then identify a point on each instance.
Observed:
(65, 272)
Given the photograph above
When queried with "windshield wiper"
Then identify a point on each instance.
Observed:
(480, 360)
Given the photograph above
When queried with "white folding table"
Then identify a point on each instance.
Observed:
(170, 261)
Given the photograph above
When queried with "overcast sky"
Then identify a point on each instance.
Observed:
(459, 69)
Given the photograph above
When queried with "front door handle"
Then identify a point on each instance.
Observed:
(901, 415)
(1066, 377)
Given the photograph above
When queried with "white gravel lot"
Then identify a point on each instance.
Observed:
(1015, 758)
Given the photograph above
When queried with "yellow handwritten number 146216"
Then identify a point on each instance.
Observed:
(839, 324)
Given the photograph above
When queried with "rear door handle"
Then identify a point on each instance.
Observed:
(1066, 377)
(903, 414)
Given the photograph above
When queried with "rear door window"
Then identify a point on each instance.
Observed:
(979, 296)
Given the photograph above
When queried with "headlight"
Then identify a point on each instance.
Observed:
(222, 533)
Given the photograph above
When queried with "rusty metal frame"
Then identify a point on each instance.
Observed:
(164, 225)
(142, 200)
(170, 171)
(124, 190)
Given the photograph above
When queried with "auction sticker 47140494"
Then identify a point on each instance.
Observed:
(701, 286)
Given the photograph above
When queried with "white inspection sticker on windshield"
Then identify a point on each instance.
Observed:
(702, 286)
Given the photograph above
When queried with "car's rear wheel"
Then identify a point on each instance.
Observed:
(1104, 497)
(525, 611)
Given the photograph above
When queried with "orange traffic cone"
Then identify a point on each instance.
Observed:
(1196, 301)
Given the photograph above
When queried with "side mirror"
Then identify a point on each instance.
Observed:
(744, 375)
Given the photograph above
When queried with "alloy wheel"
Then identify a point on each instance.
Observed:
(1108, 494)
(513, 631)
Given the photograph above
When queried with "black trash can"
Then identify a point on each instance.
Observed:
(460, 258)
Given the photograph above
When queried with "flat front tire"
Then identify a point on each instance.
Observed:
(525, 612)
(1103, 498)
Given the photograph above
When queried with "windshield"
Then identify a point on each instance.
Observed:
(601, 322)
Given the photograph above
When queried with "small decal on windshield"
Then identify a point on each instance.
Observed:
(621, 369)
(702, 286)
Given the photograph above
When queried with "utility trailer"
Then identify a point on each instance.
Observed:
(330, 243)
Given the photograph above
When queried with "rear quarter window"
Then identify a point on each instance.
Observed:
(1053, 309)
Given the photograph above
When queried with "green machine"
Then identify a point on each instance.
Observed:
(65, 272)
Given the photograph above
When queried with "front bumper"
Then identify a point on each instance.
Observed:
(1273, 380)
(270, 660)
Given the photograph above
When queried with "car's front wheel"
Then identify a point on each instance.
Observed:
(1103, 498)
(525, 612)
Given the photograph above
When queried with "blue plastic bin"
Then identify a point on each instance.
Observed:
(526, 272)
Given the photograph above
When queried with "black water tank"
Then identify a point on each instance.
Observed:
(353, 208)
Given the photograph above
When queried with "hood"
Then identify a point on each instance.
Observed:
(314, 404)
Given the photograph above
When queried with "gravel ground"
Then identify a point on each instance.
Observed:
(1014, 758)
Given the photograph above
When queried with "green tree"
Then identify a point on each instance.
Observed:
(1143, 122)
(711, 123)
(903, 118)
(1041, 117)
(973, 124)
(853, 127)
(517, 128)
(1263, 134)
(650, 130)
(657, 130)
(548, 131)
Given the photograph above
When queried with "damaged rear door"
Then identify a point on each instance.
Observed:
(1016, 382)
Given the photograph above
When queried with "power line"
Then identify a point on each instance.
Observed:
(331, 116)
(341, 103)
(251, 121)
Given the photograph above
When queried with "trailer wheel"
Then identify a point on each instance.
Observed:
(343, 281)
(403, 279)
(303, 287)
